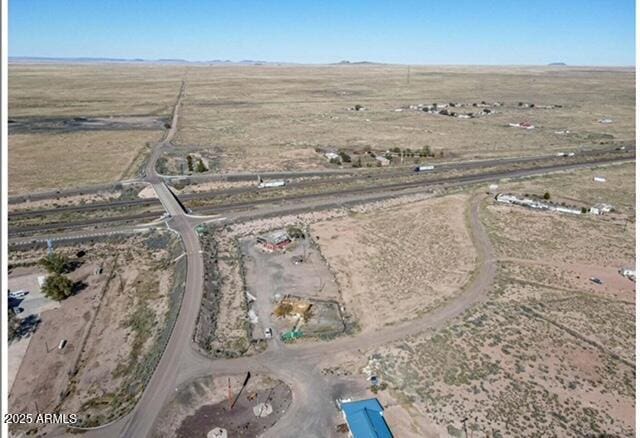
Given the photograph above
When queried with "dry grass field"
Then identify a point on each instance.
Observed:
(551, 353)
(268, 118)
(39, 162)
(259, 118)
(72, 156)
(393, 265)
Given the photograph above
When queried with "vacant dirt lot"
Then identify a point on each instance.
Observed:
(115, 327)
(298, 271)
(393, 265)
(550, 353)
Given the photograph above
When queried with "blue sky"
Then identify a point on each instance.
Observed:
(587, 32)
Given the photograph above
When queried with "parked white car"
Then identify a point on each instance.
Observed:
(18, 294)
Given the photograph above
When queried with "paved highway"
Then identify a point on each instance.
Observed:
(55, 227)
(327, 177)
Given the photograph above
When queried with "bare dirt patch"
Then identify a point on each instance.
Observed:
(395, 264)
(297, 274)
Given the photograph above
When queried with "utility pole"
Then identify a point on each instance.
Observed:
(246, 380)
(408, 74)
(464, 424)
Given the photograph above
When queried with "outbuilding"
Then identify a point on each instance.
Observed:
(365, 419)
(601, 209)
(274, 241)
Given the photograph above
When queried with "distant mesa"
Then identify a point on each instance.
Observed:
(173, 60)
(346, 62)
(557, 64)
(89, 60)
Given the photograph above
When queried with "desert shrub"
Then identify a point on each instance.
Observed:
(346, 158)
(200, 167)
(295, 232)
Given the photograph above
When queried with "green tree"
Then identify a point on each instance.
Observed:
(547, 195)
(190, 163)
(57, 287)
(335, 161)
(55, 263)
(201, 167)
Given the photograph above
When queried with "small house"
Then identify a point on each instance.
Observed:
(331, 156)
(383, 160)
(274, 241)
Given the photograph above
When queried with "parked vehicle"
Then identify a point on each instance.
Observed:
(268, 333)
(596, 280)
(271, 184)
(423, 168)
(18, 294)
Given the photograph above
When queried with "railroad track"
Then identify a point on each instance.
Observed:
(393, 187)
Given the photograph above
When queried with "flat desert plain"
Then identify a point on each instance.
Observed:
(269, 117)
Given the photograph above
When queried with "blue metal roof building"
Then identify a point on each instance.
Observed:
(365, 419)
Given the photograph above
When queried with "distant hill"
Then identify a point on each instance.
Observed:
(345, 62)
(557, 64)
(89, 60)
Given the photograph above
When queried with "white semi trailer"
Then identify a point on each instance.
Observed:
(423, 168)
(270, 184)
